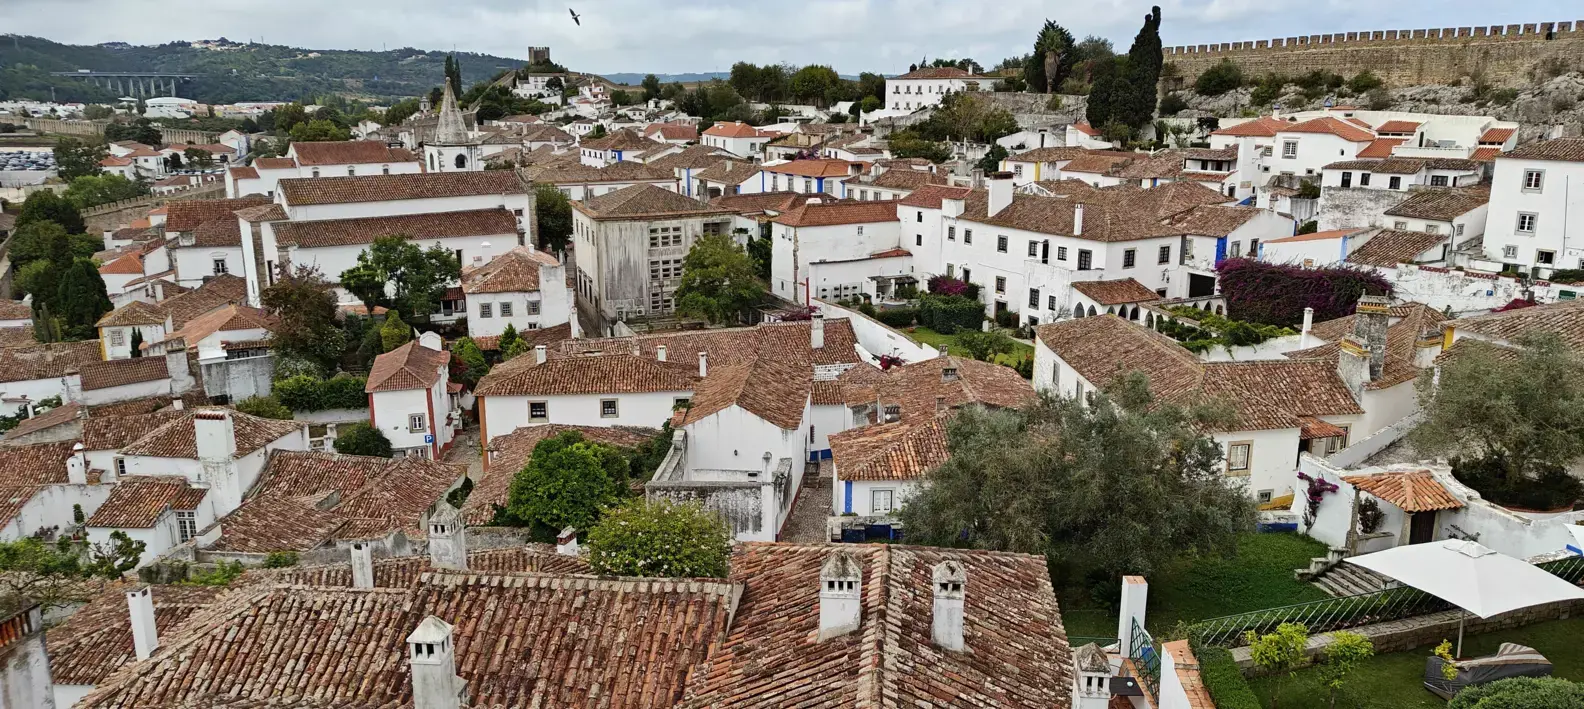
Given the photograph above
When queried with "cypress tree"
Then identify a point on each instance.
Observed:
(1137, 103)
(137, 342)
(82, 299)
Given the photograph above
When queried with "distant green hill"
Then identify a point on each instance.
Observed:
(248, 72)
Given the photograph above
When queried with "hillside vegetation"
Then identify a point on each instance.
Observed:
(252, 72)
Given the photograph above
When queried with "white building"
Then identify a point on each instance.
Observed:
(738, 138)
(1314, 250)
(926, 86)
(837, 250)
(580, 182)
(203, 238)
(1536, 205)
(525, 288)
(170, 107)
(586, 390)
(410, 400)
(451, 148)
(621, 146)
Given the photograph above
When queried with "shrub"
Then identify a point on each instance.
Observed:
(1379, 99)
(1521, 693)
(1278, 653)
(898, 317)
(946, 285)
(1365, 82)
(1567, 275)
(1269, 89)
(305, 393)
(1219, 79)
(867, 308)
(1172, 105)
(946, 314)
(1502, 97)
(1006, 318)
(1549, 487)
(1221, 676)
(1276, 294)
(280, 559)
(267, 407)
(660, 538)
(1054, 103)
(985, 346)
(363, 439)
(223, 574)
(1309, 227)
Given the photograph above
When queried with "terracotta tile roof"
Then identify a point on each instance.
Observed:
(1398, 127)
(1086, 129)
(408, 571)
(520, 640)
(644, 201)
(1103, 222)
(1209, 220)
(731, 172)
(757, 203)
(175, 439)
(691, 157)
(348, 152)
(1164, 164)
(275, 164)
(20, 336)
(411, 366)
(1116, 292)
(215, 233)
(1097, 163)
(266, 213)
(816, 214)
(130, 264)
(97, 640)
(137, 502)
(35, 464)
(1017, 654)
(418, 227)
(383, 188)
(930, 196)
(46, 361)
(1416, 491)
(1311, 428)
(625, 139)
(1496, 136)
(114, 373)
(113, 431)
(57, 416)
(1052, 154)
(1272, 394)
(789, 340)
(546, 134)
(509, 453)
(902, 180)
(1228, 153)
(1379, 148)
(1568, 149)
(214, 293)
(134, 313)
(814, 168)
(171, 289)
(516, 271)
(1262, 127)
(1413, 322)
(113, 161)
(771, 388)
(226, 318)
(734, 129)
(548, 336)
(1316, 236)
(189, 214)
(1485, 154)
(614, 373)
(244, 173)
(1564, 318)
(1389, 248)
(921, 388)
(893, 451)
(1332, 126)
(1441, 205)
(1163, 201)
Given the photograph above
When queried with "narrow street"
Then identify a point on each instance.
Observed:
(806, 524)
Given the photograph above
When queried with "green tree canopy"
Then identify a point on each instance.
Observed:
(306, 307)
(1117, 487)
(1052, 60)
(46, 206)
(140, 130)
(96, 189)
(393, 332)
(75, 158)
(660, 539)
(814, 84)
(467, 362)
(718, 281)
(567, 482)
(267, 407)
(48, 241)
(651, 87)
(417, 277)
(991, 162)
(318, 129)
(363, 439)
(199, 158)
(909, 144)
(82, 300)
(287, 117)
(554, 211)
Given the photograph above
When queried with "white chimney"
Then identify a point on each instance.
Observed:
(447, 538)
(1308, 324)
(540, 353)
(1000, 186)
(431, 340)
(817, 331)
(660, 352)
(77, 466)
(1135, 597)
(841, 596)
(145, 634)
(566, 542)
(947, 627)
(432, 654)
(214, 436)
(940, 403)
(1078, 219)
(703, 364)
(177, 404)
(362, 565)
(952, 208)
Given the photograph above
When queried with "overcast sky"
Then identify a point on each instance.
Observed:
(674, 36)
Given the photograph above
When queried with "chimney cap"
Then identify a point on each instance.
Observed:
(431, 630)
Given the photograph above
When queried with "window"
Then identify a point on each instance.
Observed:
(951, 233)
(1364, 179)
(538, 411)
(967, 236)
(1164, 256)
(1347, 179)
(1034, 298)
(920, 218)
(316, 172)
(808, 185)
(461, 162)
(860, 231)
(1238, 457)
(1289, 149)
(186, 525)
(880, 502)
(1545, 258)
(1085, 260)
(533, 307)
(1263, 496)
(1050, 302)
(384, 169)
(459, 257)
(486, 310)
(918, 239)
(1509, 252)
(608, 408)
(415, 423)
(1526, 222)
(1395, 183)
(665, 269)
(117, 337)
(1000, 283)
(1432, 229)
(1254, 248)
(1533, 180)
(1001, 244)
(506, 310)
(681, 403)
(1400, 225)
(220, 268)
(120, 465)
(1129, 257)
(351, 171)
(1236, 249)
(1438, 180)
(1457, 230)
(1033, 249)
(1061, 253)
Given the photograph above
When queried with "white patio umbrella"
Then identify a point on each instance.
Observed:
(1577, 547)
(1470, 576)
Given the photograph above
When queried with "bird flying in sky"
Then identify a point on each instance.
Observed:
(575, 17)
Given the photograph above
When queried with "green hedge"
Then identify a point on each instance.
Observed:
(898, 317)
(305, 393)
(1225, 682)
(946, 314)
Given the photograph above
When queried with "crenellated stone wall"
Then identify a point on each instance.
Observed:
(1502, 55)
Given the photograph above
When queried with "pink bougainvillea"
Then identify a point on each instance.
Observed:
(1276, 294)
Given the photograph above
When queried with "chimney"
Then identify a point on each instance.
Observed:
(177, 404)
(539, 354)
(947, 627)
(1000, 186)
(1078, 219)
(1370, 319)
(566, 542)
(840, 597)
(214, 435)
(948, 374)
(145, 634)
(940, 403)
(703, 364)
(951, 208)
(362, 565)
(1135, 597)
(432, 654)
(660, 353)
(447, 538)
(817, 331)
(77, 466)
(1308, 325)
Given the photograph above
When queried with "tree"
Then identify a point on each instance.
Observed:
(1120, 486)
(660, 539)
(399, 111)
(267, 407)
(1107, 93)
(46, 206)
(554, 214)
(75, 158)
(393, 332)
(112, 559)
(984, 346)
(467, 362)
(306, 309)
(1521, 693)
(869, 104)
(1346, 652)
(318, 129)
(82, 300)
(199, 158)
(1220, 78)
(568, 482)
(651, 87)
(94, 190)
(508, 338)
(173, 162)
(47, 240)
(909, 144)
(1144, 70)
(137, 342)
(1279, 653)
(761, 249)
(141, 130)
(417, 278)
(287, 117)
(813, 84)
(362, 439)
(1052, 60)
(453, 74)
(991, 162)
(33, 571)
(718, 281)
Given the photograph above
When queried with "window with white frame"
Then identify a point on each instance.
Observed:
(1033, 249)
(1061, 253)
(1238, 457)
(1438, 180)
(1400, 225)
(1164, 257)
(220, 267)
(1034, 298)
(1509, 252)
(486, 310)
(1000, 284)
(1545, 258)
(186, 525)
(120, 466)
(1129, 257)
(1432, 229)
(860, 230)
(533, 307)
(415, 423)
(1526, 222)
(1290, 149)
(1001, 244)
(608, 408)
(967, 236)
(880, 502)
(538, 411)
(506, 310)
(1534, 180)
(117, 337)
(951, 233)
(1457, 229)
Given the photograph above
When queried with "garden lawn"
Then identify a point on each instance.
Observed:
(1395, 681)
(1260, 576)
(932, 338)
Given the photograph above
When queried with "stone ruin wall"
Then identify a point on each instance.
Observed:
(1504, 55)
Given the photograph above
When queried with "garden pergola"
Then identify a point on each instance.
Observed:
(1470, 576)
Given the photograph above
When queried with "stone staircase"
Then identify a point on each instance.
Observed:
(1349, 580)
